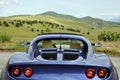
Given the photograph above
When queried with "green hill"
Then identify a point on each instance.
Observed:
(26, 27)
(55, 21)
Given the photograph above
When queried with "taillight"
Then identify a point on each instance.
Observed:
(16, 71)
(102, 72)
(28, 72)
(90, 73)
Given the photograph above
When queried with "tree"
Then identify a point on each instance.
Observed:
(18, 24)
(5, 24)
(37, 30)
(42, 31)
(88, 33)
(32, 29)
(0, 23)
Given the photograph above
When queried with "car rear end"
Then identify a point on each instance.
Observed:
(60, 57)
(54, 64)
(58, 71)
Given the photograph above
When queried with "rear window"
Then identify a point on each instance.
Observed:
(65, 49)
(60, 43)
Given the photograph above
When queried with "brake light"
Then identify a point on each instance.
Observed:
(102, 72)
(90, 73)
(16, 71)
(28, 72)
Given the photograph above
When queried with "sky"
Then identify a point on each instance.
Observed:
(104, 9)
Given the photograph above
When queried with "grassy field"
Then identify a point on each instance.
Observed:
(25, 33)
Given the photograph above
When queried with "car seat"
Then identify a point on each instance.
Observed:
(75, 45)
(47, 44)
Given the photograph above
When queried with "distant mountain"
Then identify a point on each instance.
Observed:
(69, 20)
(51, 13)
(94, 21)
(115, 19)
(88, 20)
(20, 15)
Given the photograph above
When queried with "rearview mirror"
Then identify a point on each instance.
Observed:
(24, 43)
(97, 44)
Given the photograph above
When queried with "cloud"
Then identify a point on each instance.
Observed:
(10, 11)
(7, 7)
(71, 3)
(110, 14)
(2, 1)
(15, 2)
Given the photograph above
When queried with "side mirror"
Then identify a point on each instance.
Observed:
(97, 44)
(24, 43)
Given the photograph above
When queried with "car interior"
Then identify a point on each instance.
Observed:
(71, 48)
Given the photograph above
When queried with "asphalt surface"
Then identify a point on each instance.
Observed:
(4, 56)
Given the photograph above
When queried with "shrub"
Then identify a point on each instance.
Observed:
(48, 30)
(5, 38)
(109, 36)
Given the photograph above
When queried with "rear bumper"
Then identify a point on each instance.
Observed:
(57, 74)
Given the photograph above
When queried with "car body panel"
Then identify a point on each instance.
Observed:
(59, 69)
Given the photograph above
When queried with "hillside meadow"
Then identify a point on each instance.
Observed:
(25, 28)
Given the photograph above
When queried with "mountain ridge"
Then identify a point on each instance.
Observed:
(115, 19)
(54, 14)
(68, 19)
(97, 22)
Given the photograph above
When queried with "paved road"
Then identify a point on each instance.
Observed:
(116, 62)
(5, 56)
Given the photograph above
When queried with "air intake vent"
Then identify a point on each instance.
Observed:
(49, 54)
(70, 54)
